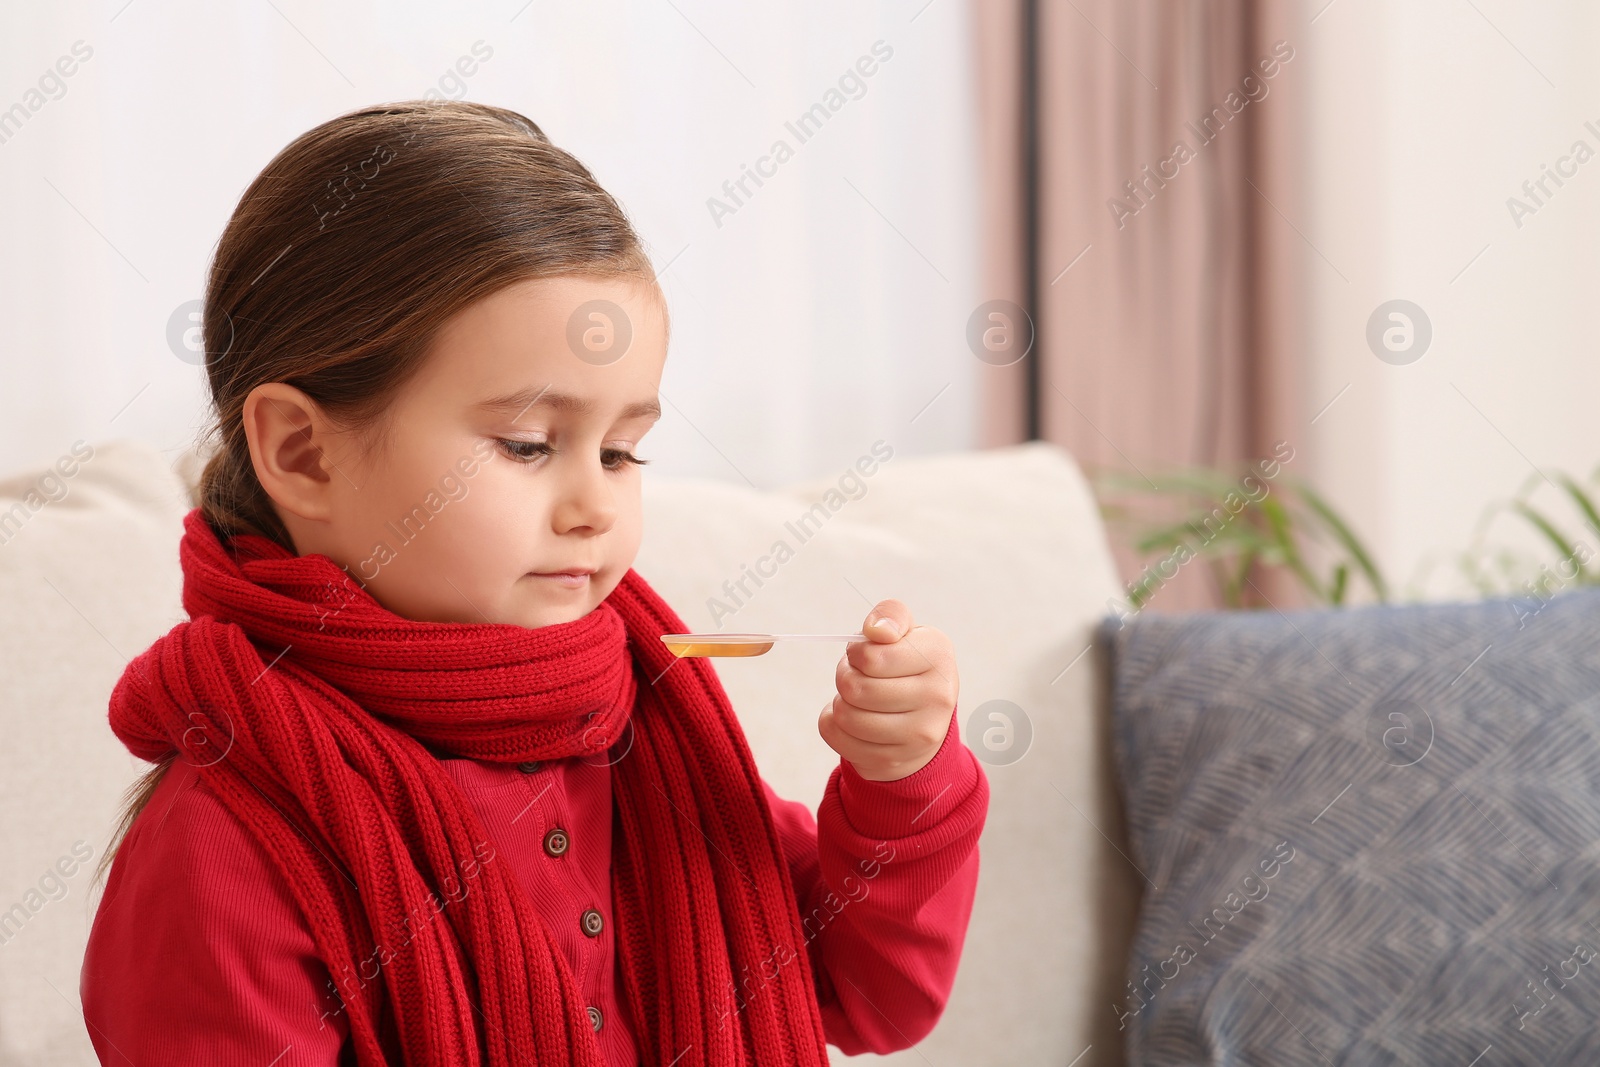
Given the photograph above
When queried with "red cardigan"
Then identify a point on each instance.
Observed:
(198, 955)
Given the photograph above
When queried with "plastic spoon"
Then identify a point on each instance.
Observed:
(740, 644)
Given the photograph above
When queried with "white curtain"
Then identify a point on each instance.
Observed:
(819, 311)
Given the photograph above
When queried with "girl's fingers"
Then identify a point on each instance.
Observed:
(888, 621)
(918, 651)
(882, 694)
(862, 736)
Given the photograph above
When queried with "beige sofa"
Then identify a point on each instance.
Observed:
(1001, 549)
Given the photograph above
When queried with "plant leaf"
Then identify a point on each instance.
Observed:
(1278, 518)
(1347, 540)
(1546, 527)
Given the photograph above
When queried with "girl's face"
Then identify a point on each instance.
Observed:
(505, 460)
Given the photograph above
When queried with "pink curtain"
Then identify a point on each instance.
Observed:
(1171, 261)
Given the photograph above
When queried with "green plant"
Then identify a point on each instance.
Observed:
(1237, 525)
(1496, 569)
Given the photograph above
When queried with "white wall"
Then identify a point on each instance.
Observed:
(805, 326)
(1425, 117)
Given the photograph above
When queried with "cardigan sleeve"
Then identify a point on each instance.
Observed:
(885, 877)
(198, 954)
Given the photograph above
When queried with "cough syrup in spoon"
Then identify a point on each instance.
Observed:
(682, 645)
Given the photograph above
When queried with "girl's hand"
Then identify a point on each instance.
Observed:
(896, 693)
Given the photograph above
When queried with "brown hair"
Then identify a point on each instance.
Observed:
(346, 255)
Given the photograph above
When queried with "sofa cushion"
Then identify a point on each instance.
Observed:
(89, 578)
(1366, 836)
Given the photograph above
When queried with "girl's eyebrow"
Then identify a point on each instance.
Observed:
(523, 399)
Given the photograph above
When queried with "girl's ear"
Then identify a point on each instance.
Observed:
(290, 441)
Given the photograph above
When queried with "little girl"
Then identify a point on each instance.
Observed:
(428, 788)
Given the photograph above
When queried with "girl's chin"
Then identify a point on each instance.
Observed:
(552, 611)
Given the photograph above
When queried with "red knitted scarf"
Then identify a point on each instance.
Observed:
(310, 710)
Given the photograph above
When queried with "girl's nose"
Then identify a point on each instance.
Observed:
(585, 498)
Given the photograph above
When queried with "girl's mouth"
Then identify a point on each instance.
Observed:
(565, 579)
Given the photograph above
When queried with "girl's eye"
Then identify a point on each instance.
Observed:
(528, 451)
(620, 456)
(525, 451)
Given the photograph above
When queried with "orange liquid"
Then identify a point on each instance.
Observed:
(703, 647)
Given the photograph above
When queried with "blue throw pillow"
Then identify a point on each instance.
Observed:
(1368, 836)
